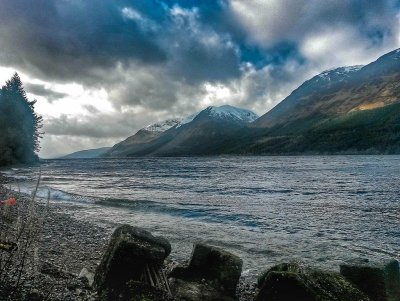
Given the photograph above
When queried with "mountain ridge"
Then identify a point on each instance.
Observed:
(338, 95)
(352, 109)
(87, 153)
(173, 140)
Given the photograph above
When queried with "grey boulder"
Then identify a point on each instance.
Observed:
(380, 281)
(212, 274)
(129, 251)
(292, 281)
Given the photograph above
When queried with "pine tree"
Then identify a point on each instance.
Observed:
(19, 124)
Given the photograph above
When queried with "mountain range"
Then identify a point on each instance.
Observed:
(203, 133)
(87, 154)
(354, 109)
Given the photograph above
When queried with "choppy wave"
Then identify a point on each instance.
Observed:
(323, 210)
(45, 192)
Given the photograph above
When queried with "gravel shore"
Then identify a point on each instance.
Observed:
(66, 246)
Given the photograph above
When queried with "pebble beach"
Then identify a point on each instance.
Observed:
(66, 246)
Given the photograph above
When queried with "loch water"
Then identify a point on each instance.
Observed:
(323, 210)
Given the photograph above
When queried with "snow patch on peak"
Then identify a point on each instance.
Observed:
(352, 68)
(228, 111)
(223, 112)
(341, 71)
(163, 125)
(188, 118)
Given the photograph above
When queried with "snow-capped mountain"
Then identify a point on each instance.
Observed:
(227, 112)
(354, 108)
(336, 91)
(350, 109)
(197, 133)
(232, 113)
(163, 125)
(141, 137)
(204, 132)
(338, 74)
(188, 119)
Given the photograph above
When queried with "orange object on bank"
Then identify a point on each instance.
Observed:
(9, 202)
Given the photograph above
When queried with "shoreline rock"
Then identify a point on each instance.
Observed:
(131, 255)
(70, 245)
(212, 274)
(380, 281)
(292, 281)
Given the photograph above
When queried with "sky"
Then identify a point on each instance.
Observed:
(101, 70)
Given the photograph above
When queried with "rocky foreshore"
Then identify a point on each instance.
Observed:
(68, 245)
(79, 260)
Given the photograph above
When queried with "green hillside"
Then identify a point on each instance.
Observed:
(369, 131)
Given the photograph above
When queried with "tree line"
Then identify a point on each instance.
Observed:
(20, 126)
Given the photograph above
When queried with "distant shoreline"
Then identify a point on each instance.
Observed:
(221, 156)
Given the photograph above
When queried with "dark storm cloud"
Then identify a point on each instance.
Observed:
(85, 41)
(41, 90)
(264, 25)
(156, 57)
(73, 39)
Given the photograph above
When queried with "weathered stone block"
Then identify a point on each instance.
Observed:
(212, 272)
(290, 281)
(380, 281)
(126, 256)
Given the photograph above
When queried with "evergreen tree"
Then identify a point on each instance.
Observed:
(19, 124)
